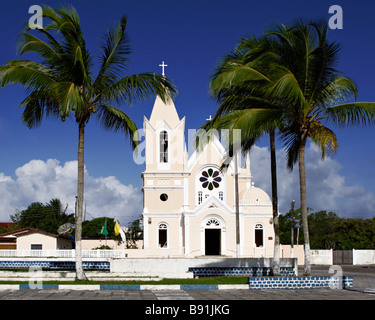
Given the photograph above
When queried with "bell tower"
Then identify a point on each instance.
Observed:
(164, 138)
(163, 178)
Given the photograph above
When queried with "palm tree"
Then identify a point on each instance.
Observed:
(289, 83)
(240, 85)
(313, 93)
(62, 85)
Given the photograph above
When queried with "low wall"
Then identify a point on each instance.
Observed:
(240, 271)
(179, 268)
(53, 263)
(363, 257)
(297, 252)
(301, 283)
(325, 257)
(321, 257)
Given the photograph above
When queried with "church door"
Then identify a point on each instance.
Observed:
(212, 242)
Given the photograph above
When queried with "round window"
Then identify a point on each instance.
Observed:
(210, 178)
(163, 197)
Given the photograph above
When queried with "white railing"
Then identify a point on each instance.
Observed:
(61, 253)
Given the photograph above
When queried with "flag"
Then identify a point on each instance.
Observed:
(117, 228)
(119, 231)
(123, 236)
(104, 230)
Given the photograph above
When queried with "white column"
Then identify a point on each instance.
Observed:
(145, 231)
(187, 236)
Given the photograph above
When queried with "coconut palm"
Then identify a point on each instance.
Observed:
(240, 85)
(314, 94)
(290, 83)
(62, 84)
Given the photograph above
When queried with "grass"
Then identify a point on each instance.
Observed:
(204, 280)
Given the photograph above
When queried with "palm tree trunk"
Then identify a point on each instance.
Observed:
(275, 211)
(302, 179)
(80, 275)
(238, 246)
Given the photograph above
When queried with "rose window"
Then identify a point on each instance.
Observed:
(210, 179)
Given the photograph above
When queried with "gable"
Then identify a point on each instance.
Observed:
(213, 153)
(212, 203)
(164, 112)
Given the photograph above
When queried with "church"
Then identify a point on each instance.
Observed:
(189, 204)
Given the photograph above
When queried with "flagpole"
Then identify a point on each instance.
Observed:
(104, 231)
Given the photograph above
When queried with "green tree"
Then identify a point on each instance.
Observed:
(322, 229)
(48, 217)
(62, 85)
(355, 233)
(92, 228)
(285, 226)
(240, 84)
(328, 231)
(134, 233)
(313, 93)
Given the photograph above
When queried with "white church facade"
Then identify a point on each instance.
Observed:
(189, 204)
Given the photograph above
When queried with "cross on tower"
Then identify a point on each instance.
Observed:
(162, 68)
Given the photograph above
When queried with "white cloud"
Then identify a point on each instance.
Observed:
(326, 185)
(41, 181)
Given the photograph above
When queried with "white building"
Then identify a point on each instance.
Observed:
(189, 204)
(29, 238)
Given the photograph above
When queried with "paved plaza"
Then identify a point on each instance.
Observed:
(363, 289)
(185, 295)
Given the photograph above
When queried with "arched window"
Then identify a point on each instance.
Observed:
(163, 235)
(258, 235)
(164, 147)
(213, 223)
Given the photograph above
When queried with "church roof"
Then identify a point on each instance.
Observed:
(164, 112)
(254, 196)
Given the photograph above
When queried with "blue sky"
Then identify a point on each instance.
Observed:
(191, 37)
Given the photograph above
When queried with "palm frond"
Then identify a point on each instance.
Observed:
(70, 98)
(324, 137)
(115, 120)
(236, 76)
(31, 75)
(339, 90)
(351, 114)
(31, 43)
(292, 142)
(37, 105)
(138, 87)
(287, 87)
(237, 69)
(114, 59)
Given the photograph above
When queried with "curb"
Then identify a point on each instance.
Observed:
(123, 287)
